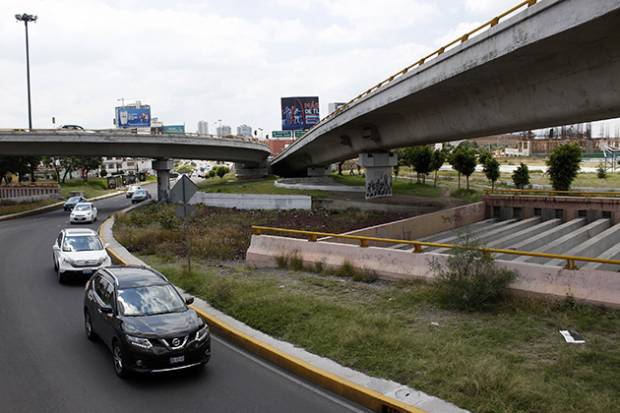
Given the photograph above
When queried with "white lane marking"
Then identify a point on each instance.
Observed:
(289, 377)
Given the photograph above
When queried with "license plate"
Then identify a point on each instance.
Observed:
(175, 360)
(87, 272)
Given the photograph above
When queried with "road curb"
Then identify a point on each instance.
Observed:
(354, 392)
(54, 206)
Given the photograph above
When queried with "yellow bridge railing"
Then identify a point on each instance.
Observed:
(550, 192)
(418, 246)
(462, 39)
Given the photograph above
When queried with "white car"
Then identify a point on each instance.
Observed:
(131, 189)
(83, 212)
(78, 251)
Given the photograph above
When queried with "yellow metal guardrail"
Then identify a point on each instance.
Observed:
(462, 39)
(313, 236)
(551, 192)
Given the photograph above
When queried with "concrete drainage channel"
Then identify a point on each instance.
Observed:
(376, 394)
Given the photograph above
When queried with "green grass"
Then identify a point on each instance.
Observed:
(92, 188)
(510, 360)
(400, 186)
(230, 184)
(8, 209)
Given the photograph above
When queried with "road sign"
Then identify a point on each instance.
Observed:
(279, 134)
(183, 190)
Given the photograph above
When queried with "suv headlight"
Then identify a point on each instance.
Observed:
(202, 333)
(139, 341)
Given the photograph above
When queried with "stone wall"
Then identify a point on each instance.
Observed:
(28, 193)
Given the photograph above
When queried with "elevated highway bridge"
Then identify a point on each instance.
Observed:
(249, 156)
(540, 64)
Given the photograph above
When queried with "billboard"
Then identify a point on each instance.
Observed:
(133, 117)
(172, 129)
(300, 113)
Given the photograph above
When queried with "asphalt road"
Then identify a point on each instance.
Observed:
(48, 365)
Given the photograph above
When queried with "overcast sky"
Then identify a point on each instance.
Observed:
(197, 60)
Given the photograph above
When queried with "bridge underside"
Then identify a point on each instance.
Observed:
(567, 78)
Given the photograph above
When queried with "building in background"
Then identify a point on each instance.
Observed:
(332, 107)
(223, 130)
(278, 145)
(244, 130)
(203, 127)
(126, 165)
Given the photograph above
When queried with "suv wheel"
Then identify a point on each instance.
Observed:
(61, 276)
(119, 362)
(88, 326)
(55, 263)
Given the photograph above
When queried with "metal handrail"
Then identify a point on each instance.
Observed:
(550, 192)
(461, 39)
(313, 236)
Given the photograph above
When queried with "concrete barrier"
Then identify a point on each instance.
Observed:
(424, 225)
(252, 201)
(587, 285)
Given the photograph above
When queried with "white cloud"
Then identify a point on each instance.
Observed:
(221, 59)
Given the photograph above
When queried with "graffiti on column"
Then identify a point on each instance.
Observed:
(378, 185)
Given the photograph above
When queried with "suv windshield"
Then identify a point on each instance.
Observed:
(155, 299)
(83, 243)
(82, 208)
(74, 199)
(139, 192)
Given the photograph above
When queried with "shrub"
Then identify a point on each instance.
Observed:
(521, 176)
(563, 165)
(470, 280)
(601, 172)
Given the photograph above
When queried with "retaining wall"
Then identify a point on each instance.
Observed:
(421, 226)
(588, 285)
(252, 201)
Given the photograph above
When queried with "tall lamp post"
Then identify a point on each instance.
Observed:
(26, 18)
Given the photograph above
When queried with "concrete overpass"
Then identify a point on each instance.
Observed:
(556, 62)
(249, 156)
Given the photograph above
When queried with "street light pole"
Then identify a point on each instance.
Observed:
(27, 18)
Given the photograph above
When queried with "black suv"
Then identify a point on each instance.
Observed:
(144, 321)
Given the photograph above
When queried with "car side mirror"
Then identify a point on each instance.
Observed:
(189, 300)
(106, 309)
(66, 249)
(106, 246)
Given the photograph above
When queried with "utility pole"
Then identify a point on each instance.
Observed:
(27, 18)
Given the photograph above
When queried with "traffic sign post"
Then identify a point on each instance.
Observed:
(180, 194)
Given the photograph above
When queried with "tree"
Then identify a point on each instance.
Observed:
(222, 170)
(521, 176)
(463, 160)
(68, 164)
(419, 158)
(54, 163)
(7, 165)
(86, 164)
(185, 169)
(103, 172)
(491, 170)
(563, 166)
(437, 160)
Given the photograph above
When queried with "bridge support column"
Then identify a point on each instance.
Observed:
(250, 170)
(163, 167)
(378, 167)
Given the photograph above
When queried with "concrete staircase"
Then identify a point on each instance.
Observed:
(577, 237)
